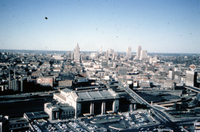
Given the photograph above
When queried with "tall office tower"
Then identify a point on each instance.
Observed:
(110, 53)
(191, 78)
(138, 51)
(150, 60)
(171, 75)
(100, 50)
(69, 55)
(128, 52)
(77, 54)
(143, 54)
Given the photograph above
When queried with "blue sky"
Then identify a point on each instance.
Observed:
(159, 26)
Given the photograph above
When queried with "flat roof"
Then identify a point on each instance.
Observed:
(66, 90)
(61, 106)
(81, 96)
(36, 115)
(18, 120)
(96, 95)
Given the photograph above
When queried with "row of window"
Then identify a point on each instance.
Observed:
(67, 116)
(67, 112)
(18, 125)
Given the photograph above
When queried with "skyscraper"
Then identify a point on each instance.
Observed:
(171, 75)
(77, 54)
(138, 51)
(100, 50)
(191, 78)
(110, 53)
(128, 52)
(143, 54)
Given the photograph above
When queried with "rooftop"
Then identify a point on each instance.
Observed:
(60, 106)
(18, 120)
(92, 94)
(36, 115)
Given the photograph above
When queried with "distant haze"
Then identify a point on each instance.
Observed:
(159, 26)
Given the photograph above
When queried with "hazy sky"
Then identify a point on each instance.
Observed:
(164, 26)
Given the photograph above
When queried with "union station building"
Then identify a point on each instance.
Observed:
(73, 104)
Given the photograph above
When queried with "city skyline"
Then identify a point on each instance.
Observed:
(158, 26)
(110, 91)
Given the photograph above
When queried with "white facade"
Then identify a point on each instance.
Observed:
(59, 111)
(110, 53)
(93, 55)
(143, 54)
(77, 54)
(138, 51)
(128, 52)
(191, 78)
(153, 60)
(100, 50)
(171, 75)
(69, 103)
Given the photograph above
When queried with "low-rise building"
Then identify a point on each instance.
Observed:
(16, 124)
(78, 103)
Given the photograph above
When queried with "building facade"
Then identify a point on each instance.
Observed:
(73, 104)
(128, 52)
(77, 54)
(138, 51)
(143, 54)
(191, 78)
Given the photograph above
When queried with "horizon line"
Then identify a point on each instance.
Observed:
(91, 51)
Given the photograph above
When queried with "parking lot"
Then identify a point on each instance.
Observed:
(136, 120)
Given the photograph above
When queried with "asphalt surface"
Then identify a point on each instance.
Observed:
(16, 107)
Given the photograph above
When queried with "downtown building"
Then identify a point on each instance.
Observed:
(143, 54)
(77, 54)
(191, 79)
(128, 53)
(138, 51)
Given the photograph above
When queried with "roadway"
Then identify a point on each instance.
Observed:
(161, 116)
(195, 89)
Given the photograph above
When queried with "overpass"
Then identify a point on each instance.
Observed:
(161, 116)
(195, 89)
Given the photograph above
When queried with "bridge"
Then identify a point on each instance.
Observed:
(161, 116)
(195, 89)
